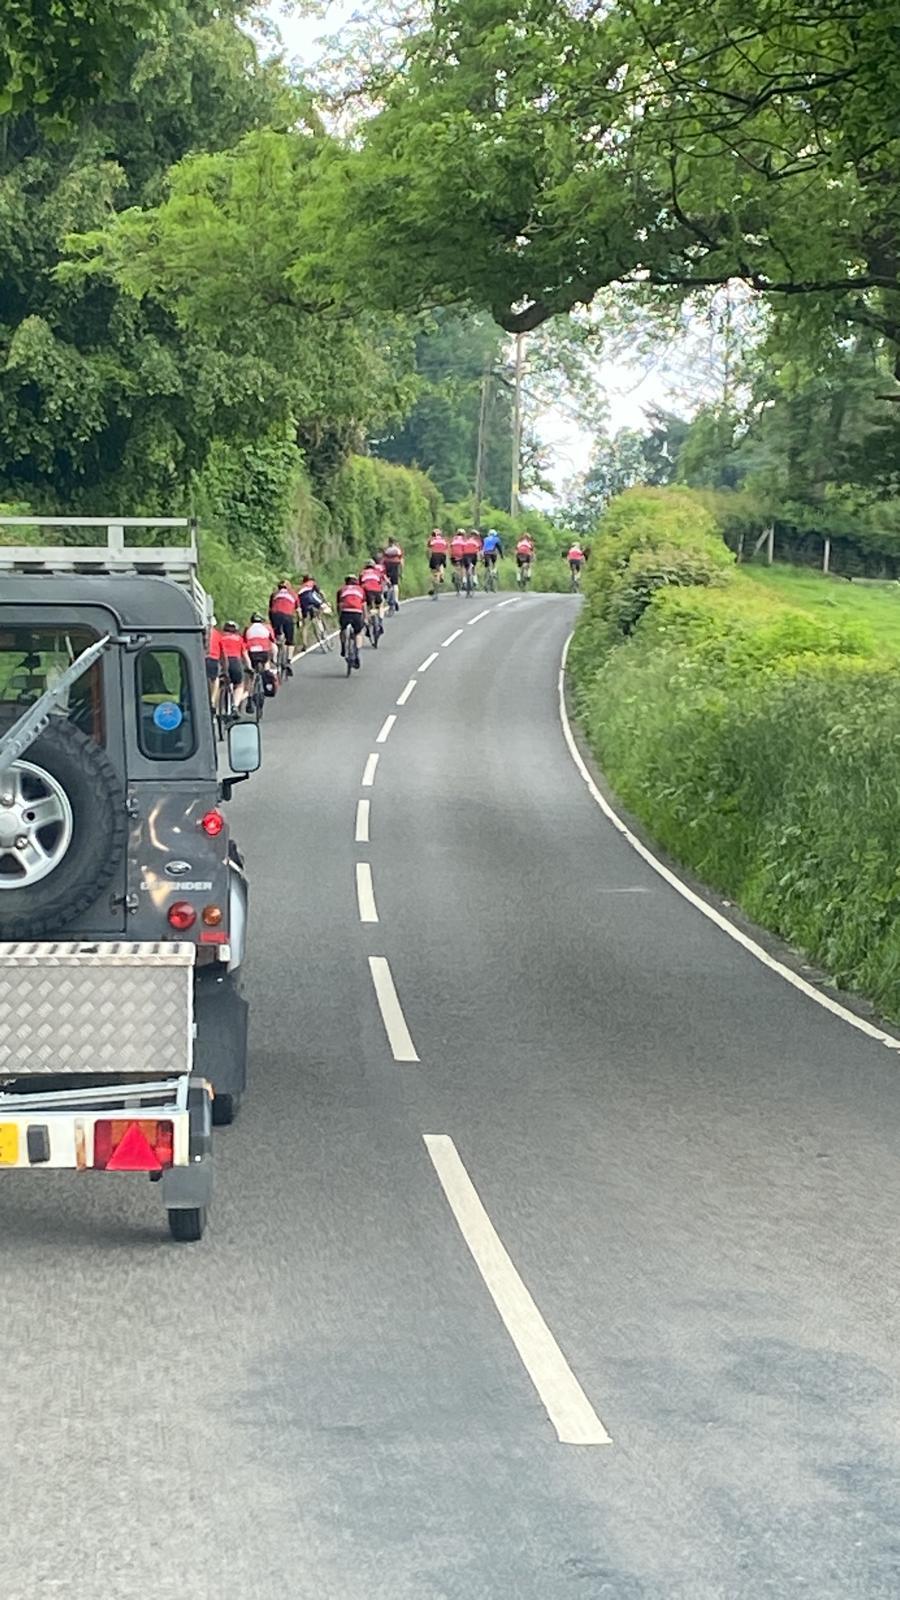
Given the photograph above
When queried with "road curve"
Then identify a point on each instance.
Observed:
(534, 1154)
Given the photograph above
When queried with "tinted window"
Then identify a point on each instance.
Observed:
(165, 707)
(32, 659)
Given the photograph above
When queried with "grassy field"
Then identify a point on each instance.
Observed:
(876, 605)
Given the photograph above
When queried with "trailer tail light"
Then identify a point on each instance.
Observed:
(212, 916)
(124, 1145)
(182, 915)
(212, 823)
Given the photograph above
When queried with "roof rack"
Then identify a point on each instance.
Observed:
(178, 563)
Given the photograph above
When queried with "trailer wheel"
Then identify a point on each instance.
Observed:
(225, 1108)
(187, 1225)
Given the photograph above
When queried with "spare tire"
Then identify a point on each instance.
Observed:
(62, 832)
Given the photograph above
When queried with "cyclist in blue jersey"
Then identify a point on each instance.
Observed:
(491, 548)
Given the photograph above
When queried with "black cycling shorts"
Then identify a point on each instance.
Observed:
(523, 561)
(260, 658)
(490, 558)
(212, 668)
(355, 618)
(233, 668)
(392, 570)
(309, 607)
(576, 566)
(470, 562)
(374, 598)
(437, 559)
(282, 623)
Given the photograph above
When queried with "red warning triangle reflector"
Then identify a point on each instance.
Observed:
(134, 1153)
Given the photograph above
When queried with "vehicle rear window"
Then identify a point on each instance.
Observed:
(33, 659)
(165, 706)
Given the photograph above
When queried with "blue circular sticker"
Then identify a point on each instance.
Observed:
(168, 716)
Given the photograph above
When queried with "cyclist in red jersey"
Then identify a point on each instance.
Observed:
(392, 555)
(235, 660)
(438, 548)
(283, 606)
(471, 552)
(372, 581)
(576, 559)
(351, 607)
(214, 661)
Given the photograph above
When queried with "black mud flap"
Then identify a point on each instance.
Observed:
(220, 1050)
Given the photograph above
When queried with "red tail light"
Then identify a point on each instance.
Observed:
(212, 823)
(182, 915)
(133, 1146)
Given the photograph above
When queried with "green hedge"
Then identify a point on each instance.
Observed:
(760, 745)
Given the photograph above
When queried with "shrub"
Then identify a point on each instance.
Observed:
(760, 745)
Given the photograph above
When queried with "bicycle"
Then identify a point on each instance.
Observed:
(490, 577)
(225, 712)
(349, 647)
(523, 576)
(457, 580)
(575, 581)
(321, 635)
(256, 699)
(374, 628)
(470, 585)
(284, 658)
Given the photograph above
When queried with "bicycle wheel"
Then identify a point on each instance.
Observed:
(469, 582)
(457, 580)
(348, 640)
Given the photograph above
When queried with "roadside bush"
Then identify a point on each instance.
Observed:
(761, 747)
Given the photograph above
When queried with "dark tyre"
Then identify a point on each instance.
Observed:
(189, 1225)
(62, 832)
(225, 1108)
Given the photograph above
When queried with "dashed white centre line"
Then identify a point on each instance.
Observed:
(368, 777)
(365, 893)
(386, 727)
(511, 602)
(427, 662)
(362, 821)
(472, 620)
(402, 1047)
(564, 1400)
(402, 699)
(451, 638)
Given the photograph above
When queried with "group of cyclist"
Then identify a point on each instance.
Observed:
(466, 548)
(263, 650)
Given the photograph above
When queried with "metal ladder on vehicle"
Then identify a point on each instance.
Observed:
(178, 563)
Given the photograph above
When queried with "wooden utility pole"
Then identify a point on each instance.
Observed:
(480, 453)
(517, 427)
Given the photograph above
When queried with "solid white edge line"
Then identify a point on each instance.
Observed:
(562, 1396)
(451, 638)
(382, 735)
(402, 1047)
(402, 698)
(511, 602)
(427, 662)
(368, 777)
(472, 620)
(715, 916)
(365, 892)
(362, 822)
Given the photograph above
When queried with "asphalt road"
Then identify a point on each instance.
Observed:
(689, 1181)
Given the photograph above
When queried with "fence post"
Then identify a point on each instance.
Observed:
(826, 555)
(770, 549)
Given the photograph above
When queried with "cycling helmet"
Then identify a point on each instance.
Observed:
(351, 578)
(256, 617)
(231, 627)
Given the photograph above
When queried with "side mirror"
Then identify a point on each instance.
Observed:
(244, 747)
